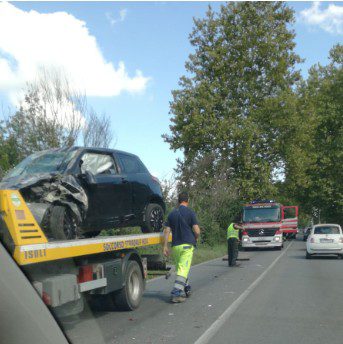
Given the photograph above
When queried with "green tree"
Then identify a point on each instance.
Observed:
(323, 194)
(244, 57)
(51, 115)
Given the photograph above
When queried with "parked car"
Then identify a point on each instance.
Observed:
(306, 233)
(325, 239)
(76, 192)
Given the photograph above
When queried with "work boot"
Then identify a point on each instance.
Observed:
(188, 290)
(176, 296)
(178, 299)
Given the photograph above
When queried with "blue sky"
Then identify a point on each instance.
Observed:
(153, 39)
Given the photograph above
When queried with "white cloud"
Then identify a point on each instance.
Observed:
(329, 19)
(122, 14)
(112, 20)
(30, 40)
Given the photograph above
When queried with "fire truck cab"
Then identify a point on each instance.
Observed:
(267, 222)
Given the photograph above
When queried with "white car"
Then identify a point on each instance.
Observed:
(325, 239)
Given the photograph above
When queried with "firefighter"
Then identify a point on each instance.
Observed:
(183, 225)
(233, 236)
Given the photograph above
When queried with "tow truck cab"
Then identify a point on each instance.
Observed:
(267, 222)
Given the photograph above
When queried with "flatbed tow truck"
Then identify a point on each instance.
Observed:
(65, 273)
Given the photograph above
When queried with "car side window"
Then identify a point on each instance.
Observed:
(98, 164)
(132, 164)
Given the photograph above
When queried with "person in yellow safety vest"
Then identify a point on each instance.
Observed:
(183, 225)
(232, 243)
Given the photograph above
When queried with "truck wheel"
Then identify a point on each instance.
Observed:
(62, 223)
(308, 256)
(154, 215)
(130, 296)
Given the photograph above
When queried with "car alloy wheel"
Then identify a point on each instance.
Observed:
(156, 219)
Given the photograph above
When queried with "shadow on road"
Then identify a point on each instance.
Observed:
(157, 296)
(315, 257)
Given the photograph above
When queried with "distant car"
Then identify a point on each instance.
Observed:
(306, 233)
(325, 239)
(77, 192)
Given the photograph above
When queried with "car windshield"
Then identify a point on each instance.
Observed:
(43, 162)
(271, 214)
(326, 230)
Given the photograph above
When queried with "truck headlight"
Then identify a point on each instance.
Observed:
(277, 238)
(245, 239)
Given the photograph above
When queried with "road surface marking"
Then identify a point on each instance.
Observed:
(221, 320)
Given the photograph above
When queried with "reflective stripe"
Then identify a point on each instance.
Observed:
(178, 286)
(232, 232)
(180, 282)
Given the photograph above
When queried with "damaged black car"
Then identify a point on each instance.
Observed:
(76, 192)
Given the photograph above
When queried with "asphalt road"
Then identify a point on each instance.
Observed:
(275, 297)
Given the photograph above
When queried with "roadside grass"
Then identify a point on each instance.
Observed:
(202, 254)
(205, 252)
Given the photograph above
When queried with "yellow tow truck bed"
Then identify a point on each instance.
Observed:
(32, 246)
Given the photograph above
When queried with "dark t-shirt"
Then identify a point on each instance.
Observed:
(181, 221)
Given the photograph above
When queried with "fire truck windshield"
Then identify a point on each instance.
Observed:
(261, 214)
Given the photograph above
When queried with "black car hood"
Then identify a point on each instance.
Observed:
(23, 181)
(51, 188)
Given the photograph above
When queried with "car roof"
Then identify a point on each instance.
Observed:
(94, 149)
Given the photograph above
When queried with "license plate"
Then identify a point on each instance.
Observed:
(261, 239)
(326, 240)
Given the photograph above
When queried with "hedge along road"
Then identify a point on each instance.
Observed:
(275, 297)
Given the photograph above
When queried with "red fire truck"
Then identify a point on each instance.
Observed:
(266, 223)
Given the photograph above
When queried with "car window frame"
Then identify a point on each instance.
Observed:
(119, 154)
(338, 227)
(77, 168)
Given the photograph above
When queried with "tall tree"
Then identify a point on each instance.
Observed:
(50, 115)
(97, 130)
(244, 56)
(322, 97)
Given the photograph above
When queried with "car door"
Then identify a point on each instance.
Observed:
(108, 194)
(137, 175)
(290, 216)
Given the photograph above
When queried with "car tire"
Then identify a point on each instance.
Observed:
(62, 223)
(91, 234)
(308, 256)
(129, 297)
(154, 215)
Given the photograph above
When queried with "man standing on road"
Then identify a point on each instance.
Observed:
(232, 243)
(183, 224)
